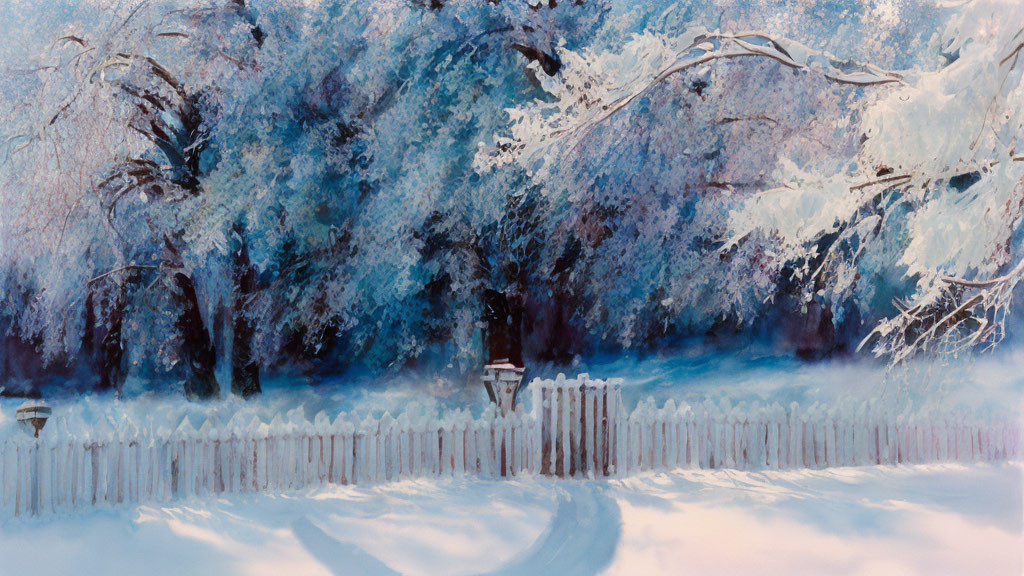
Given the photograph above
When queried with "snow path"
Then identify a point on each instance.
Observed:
(580, 539)
(931, 519)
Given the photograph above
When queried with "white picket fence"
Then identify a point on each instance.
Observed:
(586, 432)
(578, 428)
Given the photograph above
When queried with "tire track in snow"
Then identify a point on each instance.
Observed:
(580, 539)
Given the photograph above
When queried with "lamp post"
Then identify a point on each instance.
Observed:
(502, 380)
(34, 414)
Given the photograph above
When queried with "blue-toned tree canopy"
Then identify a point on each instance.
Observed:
(387, 183)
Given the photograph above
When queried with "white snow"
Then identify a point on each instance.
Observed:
(930, 519)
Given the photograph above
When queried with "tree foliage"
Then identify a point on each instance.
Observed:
(366, 183)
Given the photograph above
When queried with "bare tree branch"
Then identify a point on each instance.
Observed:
(122, 269)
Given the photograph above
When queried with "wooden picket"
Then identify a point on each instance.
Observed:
(578, 428)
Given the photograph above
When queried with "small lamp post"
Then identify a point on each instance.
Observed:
(502, 379)
(34, 414)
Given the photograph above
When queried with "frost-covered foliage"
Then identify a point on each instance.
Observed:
(934, 192)
(196, 184)
(105, 145)
(734, 167)
(354, 159)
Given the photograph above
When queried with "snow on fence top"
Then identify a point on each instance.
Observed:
(577, 428)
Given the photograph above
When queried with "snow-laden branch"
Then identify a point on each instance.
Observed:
(949, 314)
(1013, 276)
(958, 315)
(706, 48)
(595, 86)
(949, 217)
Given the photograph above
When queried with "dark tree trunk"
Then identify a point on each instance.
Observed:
(200, 357)
(550, 332)
(245, 368)
(515, 327)
(816, 337)
(504, 317)
(111, 367)
(89, 334)
(23, 366)
(106, 359)
(196, 347)
(5, 354)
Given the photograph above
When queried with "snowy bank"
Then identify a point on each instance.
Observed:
(930, 519)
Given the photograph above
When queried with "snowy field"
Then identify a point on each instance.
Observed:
(937, 519)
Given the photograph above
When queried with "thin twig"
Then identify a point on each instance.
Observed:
(122, 269)
(886, 180)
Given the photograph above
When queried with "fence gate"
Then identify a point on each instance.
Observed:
(579, 426)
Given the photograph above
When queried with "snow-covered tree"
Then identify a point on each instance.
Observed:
(935, 196)
(383, 239)
(721, 170)
(192, 186)
(105, 169)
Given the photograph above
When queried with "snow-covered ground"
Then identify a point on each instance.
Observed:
(937, 519)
